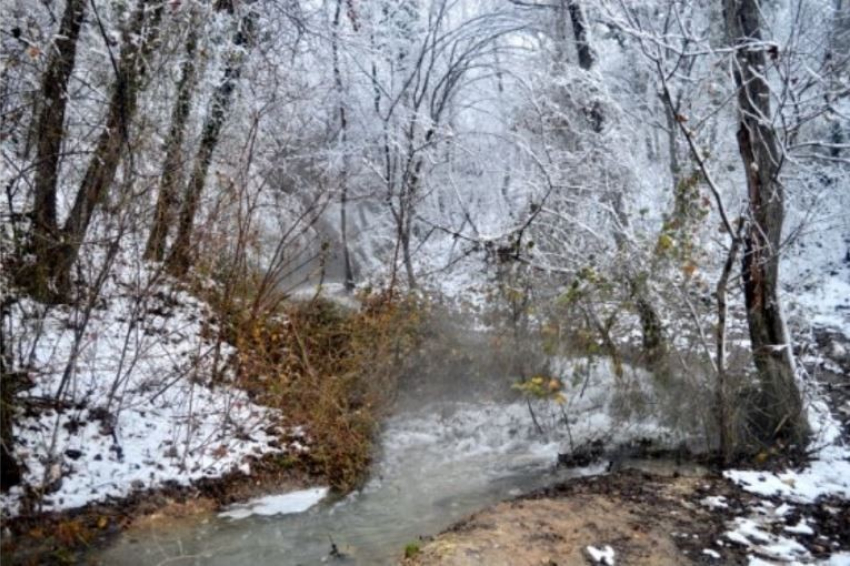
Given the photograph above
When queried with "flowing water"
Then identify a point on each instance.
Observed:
(438, 465)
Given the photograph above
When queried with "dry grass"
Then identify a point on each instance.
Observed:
(332, 370)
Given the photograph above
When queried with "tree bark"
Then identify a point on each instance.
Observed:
(180, 258)
(100, 174)
(167, 198)
(586, 58)
(10, 383)
(726, 438)
(343, 125)
(49, 135)
(780, 403)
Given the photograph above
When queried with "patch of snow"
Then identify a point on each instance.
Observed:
(282, 504)
(751, 534)
(801, 528)
(715, 502)
(126, 399)
(827, 474)
(603, 555)
(712, 553)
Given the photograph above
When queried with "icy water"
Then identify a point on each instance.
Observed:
(438, 465)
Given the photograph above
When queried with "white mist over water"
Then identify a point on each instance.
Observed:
(436, 466)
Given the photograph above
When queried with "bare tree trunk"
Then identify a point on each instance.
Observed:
(407, 204)
(726, 440)
(407, 255)
(10, 469)
(839, 38)
(180, 259)
(343, 124)
(171, 171)
(652, 330)
(49, 135)
(586, 57)
(780, 402)
(100, 174)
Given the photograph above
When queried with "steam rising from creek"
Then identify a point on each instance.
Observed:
(437, 464)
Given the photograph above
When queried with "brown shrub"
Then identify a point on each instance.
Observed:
(331, 370)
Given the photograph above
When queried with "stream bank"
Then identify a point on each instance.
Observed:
(798, 514)
(645, 518)
(72, 536)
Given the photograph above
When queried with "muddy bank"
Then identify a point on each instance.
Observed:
(645, 519)
(649, 518)
(68, 537)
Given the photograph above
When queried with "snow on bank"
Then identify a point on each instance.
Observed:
(283, 504)
(764, 531)
(827, 474)
(755, 535)
(125, 401)
(604, 555)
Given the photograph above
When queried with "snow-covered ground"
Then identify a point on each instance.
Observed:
(818, 294)
(828, 474)
(127, 400)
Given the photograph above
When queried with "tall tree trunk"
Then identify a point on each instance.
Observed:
(49, 135)
(780, 402)
(167, 198)
(10, 383)
(838, 41)
(726, 437)
(586, 57)
(100, 174)
(343, 125)
(180, 258)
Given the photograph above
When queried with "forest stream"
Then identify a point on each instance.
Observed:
(438, 465)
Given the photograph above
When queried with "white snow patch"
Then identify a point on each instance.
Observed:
(126, 401)
(750, 533)
(715, 502)
(801, 528)
(712, 553)
(603, 555)
(827, 474)
(282, 504)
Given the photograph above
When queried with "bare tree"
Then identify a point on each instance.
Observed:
(762, 157)
(343, 126)
(49, 134)
(167, 198)
(180, 257)
(586, 58)
(139, 40)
